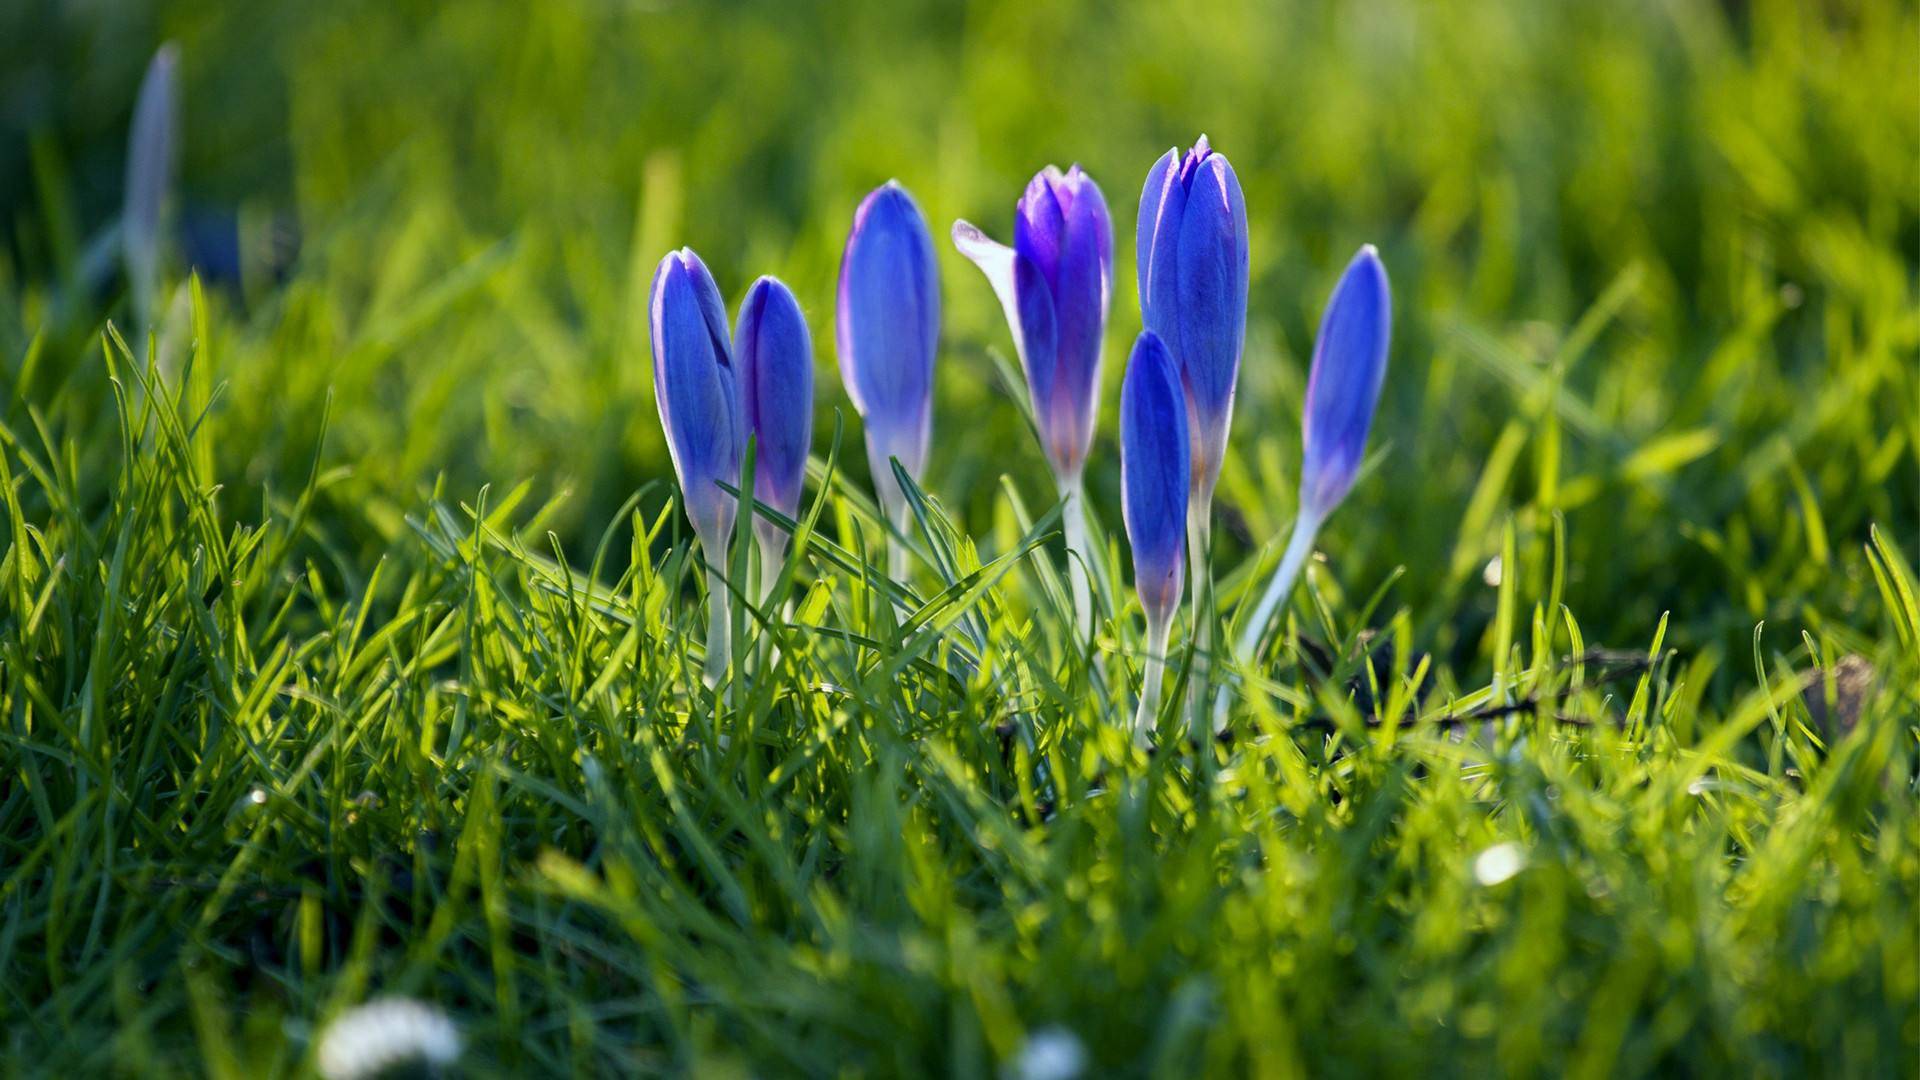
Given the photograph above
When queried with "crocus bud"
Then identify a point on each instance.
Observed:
(151, 152)
(1349, 364)
(887, 331)
(1192, 250)
(776, 389)
(693, 381)
(1055, 284)
(1155, 471)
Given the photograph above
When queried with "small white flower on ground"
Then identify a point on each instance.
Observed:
(1498, 863)
(368, 1040)
(1052, 1053)
(1492, 574)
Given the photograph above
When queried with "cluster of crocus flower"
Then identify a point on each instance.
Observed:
(1192, 254)
(1055, 286)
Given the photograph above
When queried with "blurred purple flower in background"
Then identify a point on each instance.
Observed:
(152, 151)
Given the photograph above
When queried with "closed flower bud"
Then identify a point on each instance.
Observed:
(775, 355)
(693, 382)
(1192, 250)
(1349, 364)
(1055, 284)
(887, 332)
(1154, 475)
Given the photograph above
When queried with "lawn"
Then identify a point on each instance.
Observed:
(351, 629)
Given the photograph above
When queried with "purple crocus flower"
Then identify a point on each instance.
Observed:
(693, 382)
(887, 332)
(776, 388)
(1349, 365)
(1155, 475)
(1055, 284)
(1192, 249)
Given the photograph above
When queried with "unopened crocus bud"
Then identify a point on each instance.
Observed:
(775, 354)
(887, 331)
(152, 147)
(694, 384)
(1349, 365)
(1055, 284)
(1155, 475)
(1154, 465)
(1192, 250)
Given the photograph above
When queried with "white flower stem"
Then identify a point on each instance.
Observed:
(1306, 528)
(1156, 665)
(894, 507)
(1199, 548)
(897, 566)
(773, 556)
(1073, 523)
(897, 562)
(719, 640)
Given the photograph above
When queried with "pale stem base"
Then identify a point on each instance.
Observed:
(773, 555)
(719, 637)
(1199, 573)
(1156, 666)
(1306, 528)
(893, 503)
(893, 506)
(897, 566)
(1073, 524)
(897, 561)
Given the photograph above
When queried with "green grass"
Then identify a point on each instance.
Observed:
(355, 650)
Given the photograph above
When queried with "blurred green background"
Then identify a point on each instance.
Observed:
(1696, 221)
(1655, 276)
